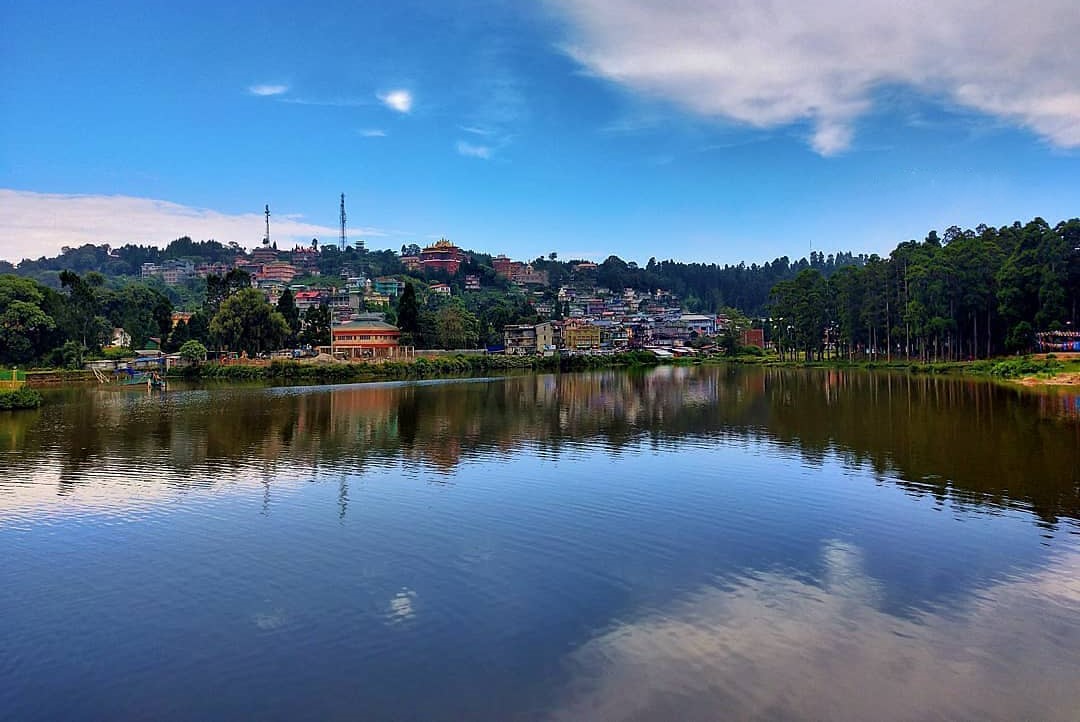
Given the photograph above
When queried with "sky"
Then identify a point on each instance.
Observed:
(715, 130)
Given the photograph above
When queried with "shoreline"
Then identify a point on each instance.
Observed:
(1027, 371)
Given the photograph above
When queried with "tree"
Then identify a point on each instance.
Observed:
(83, 311)
(72, 354)
(219, 288)
(247, 322)
(408, 313)
(456, 327)
(24, 326)
(193, 351)
(286, 306)
(316, 331)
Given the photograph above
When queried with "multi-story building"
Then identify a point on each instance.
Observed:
(277, 271)
(440, 288)
(699, 324)
(581, 336)
(388, 286)
(503, 266)
(306, 299)
(364, 338)
(218, 269)
(527, 276)
(264, 254)
(376, 299)
(442, 255)
(175, 271)
(472, 282)
(344, 303)
(519, 339)
(306, 259)
(548, 337)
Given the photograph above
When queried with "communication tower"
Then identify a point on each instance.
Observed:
(341, 240)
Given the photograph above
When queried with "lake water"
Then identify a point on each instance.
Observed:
(677, 544)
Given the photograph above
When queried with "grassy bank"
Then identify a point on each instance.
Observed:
(21, 398)
(1010, 369)
(420, 368)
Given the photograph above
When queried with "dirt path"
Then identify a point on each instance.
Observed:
(1066, 379)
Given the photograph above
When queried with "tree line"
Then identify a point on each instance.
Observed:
(966, 294)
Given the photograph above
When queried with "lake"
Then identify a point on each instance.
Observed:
(682, 543)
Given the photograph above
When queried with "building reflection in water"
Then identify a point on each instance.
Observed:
(974, 442)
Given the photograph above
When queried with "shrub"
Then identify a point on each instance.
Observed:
(20, 398)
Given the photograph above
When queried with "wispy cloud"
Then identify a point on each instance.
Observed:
(485, 132)
(268, 89)
(331, 102)
(778, 62)
(470, 150)
(37, 224)
(399, 100)
(373, 133)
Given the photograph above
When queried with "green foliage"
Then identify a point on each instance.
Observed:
(115, 354)
(967, 294)
(247, 322)
(73, 355)
(408, 319)
(1024, 366)
(20, 398)
(286, 306)
(193, 351)
(456, 326)
(316, 326)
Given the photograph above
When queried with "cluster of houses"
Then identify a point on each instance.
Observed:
(585, 318)
(672, 330)
(597, 320)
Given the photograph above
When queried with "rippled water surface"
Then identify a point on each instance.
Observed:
(679, 544)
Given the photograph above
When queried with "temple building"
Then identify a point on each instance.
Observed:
(443, 255)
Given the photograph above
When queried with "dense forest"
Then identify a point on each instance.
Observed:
(966, 294)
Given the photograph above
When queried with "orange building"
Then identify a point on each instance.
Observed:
(277, 271)
(365, 339)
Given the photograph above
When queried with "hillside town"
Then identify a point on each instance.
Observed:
(578, 316)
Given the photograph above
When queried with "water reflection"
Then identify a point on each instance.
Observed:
(967, 441)
(768, 646)
(663, 545)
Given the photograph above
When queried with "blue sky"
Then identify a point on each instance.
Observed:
(714, 131)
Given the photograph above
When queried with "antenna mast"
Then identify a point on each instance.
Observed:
(342, 239)
(266, 240)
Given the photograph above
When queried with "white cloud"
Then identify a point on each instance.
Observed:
(476, 131)
(775, 62)
(833, 651)
(268, 89)
(373, 133)
(399, 100)
(470, 150)
(40, 224)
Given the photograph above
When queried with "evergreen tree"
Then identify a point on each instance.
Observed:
(408, 312)
(286, 306)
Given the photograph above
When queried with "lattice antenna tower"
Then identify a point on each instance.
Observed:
(341, 240)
